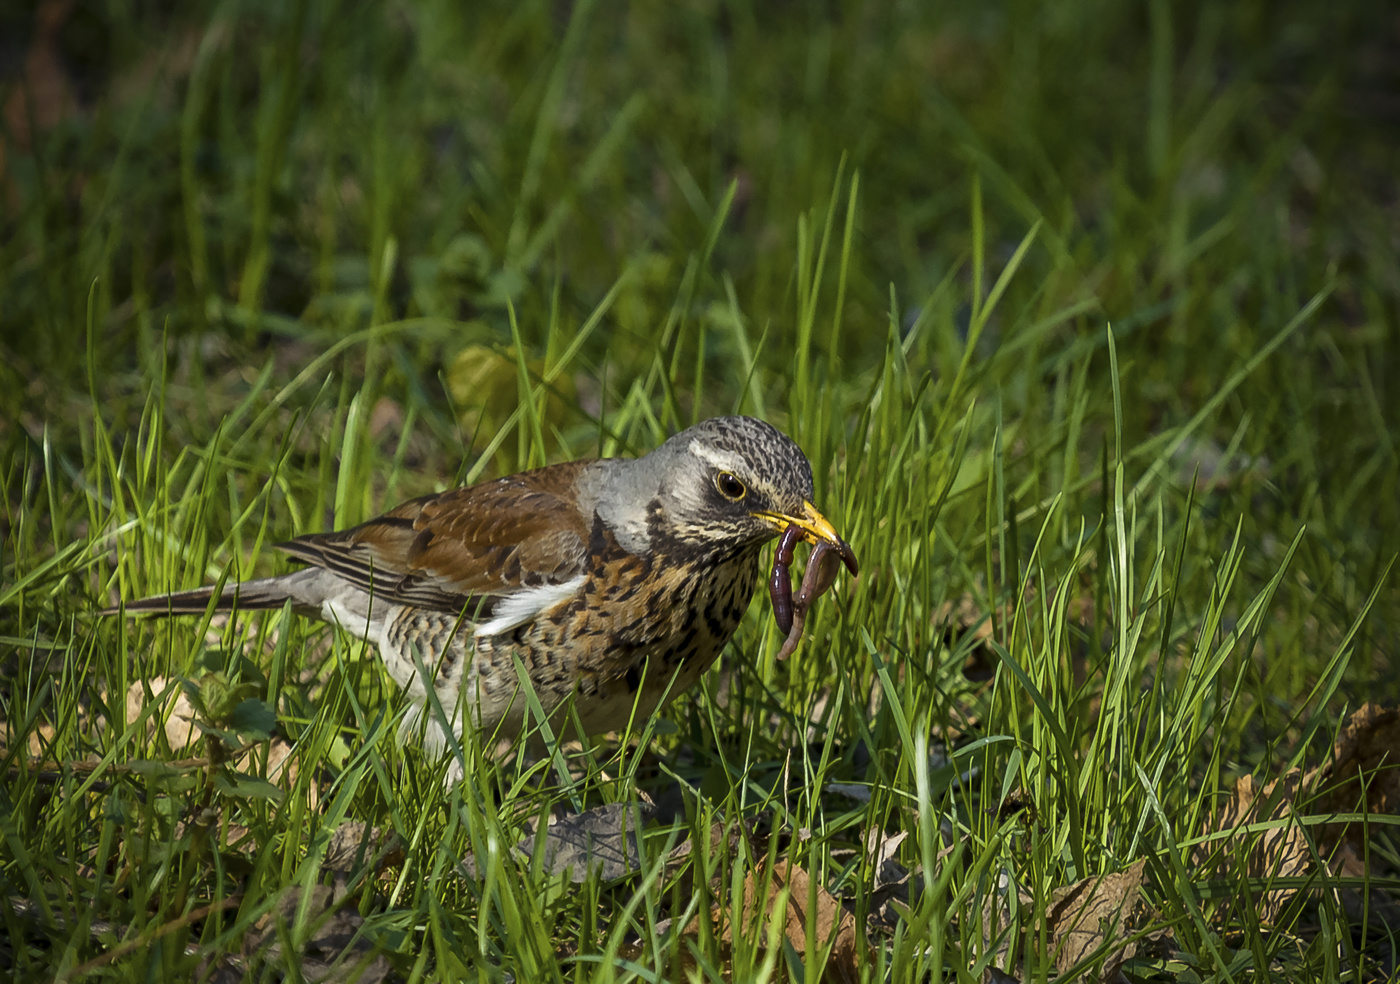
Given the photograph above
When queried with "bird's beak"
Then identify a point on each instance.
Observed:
(815, 529)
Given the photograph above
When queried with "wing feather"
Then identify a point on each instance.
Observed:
(477, 544)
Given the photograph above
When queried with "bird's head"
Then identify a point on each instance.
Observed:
(730, 483)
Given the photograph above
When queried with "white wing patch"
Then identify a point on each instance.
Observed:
(522, 606)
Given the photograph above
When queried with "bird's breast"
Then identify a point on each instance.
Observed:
(641, 629)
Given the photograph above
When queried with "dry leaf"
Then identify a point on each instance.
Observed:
(861, 792)
(725, 838)
(996, 919)
(889, 894)
(597, 843)
(39, 739)
(281, 764)
(1089, 913)
(333, 949)
(881, 847)
(175, 712)
(354, 844)
(1369, 747)
(1363, 776)
(1278, 853)
(763, 902)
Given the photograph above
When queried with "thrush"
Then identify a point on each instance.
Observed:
(615, 581)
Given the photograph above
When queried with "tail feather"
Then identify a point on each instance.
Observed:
(304, 589)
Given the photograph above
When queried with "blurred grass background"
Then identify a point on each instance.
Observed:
(280, 265)
(208, 194)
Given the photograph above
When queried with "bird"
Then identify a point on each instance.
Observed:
(616, 582)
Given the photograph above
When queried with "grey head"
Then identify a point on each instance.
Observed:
(726, 484)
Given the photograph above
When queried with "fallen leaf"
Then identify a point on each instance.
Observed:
(997, 940)
(1084, 916)
(861, 792)
(726, 839)
(881, 847)
(1364, 775)
(355, 844)
(175, 713)
(1281, 852)
(764, 902)
(39, 739)
(332, 949)
(597, 843)
(888, 897)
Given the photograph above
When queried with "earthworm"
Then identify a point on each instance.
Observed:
(822, 565)
(780, 581)
(816, 581)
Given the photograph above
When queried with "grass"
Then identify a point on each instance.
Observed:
(1085, 317)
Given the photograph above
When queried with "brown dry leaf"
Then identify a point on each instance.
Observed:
(889, 894)
(880, 847)
(725, 838)
(597, 843)
(1363, 776)
(1369, 747)
(283, 767)
(997, 910)
(763, 902)
(335, 949)
(1278, 853)
(355, 844)
(281, 763)
(39, 739)
(1083, 916)
(175, 713)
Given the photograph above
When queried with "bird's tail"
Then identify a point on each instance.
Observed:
(305, 589)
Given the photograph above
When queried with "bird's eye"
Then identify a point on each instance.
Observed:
(729, 486)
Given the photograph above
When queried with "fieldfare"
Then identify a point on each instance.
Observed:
(616, 581)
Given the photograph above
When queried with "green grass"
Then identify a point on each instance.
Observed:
(1085, 316)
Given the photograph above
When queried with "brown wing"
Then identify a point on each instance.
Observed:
(470, 545)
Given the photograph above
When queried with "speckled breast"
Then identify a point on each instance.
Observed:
(638, 624)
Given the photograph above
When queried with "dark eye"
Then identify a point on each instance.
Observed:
(729, 486)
